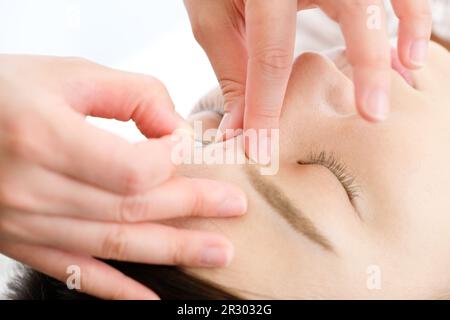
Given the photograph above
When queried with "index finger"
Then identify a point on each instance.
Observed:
(271, 27)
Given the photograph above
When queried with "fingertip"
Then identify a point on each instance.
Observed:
(220, 253)
(233, 205)
(416, 54)
(372, 98)
(376, 105)
(150, 295)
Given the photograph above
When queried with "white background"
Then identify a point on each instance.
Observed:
(146, 36)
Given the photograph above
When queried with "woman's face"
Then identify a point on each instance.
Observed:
(357, 210)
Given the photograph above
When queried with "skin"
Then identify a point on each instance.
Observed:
(399, 221)
(70, 191)
(250, 44)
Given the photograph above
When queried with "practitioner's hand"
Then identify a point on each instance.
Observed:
(70, 192)
(251, 42)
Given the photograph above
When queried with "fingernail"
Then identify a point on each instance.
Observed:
(265, 144)
(224, 125)
(215, 257)
(418, 52)
(377, 105)
(232, 206)
(261, 151)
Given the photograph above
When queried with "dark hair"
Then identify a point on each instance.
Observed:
(169, 283)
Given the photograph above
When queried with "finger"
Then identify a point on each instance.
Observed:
(103, 92)
(194, 197)
(222, 36)
(96, 278)
(40, 191)
(364, 27)
(143, 243)
(271, 29)
(414, 31)
(97, 157)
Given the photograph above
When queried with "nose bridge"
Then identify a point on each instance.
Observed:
(317, 90)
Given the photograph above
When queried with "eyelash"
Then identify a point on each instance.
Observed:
(329, 161)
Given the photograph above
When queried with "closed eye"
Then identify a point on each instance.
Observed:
(329, 161)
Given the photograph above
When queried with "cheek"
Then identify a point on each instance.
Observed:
(402, 174)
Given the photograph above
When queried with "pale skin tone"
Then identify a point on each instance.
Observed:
(250, 44)
(399, 222)
(70, 191)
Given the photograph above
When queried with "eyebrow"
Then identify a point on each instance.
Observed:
(285, 208)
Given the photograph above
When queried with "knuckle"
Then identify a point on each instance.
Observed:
(8, 227)
(114, 245)
(21, 133)
(197, 203)
(5, 228)
(198, 32)
(4, 225)
(202, 26)
(206, 26)
(176, 248)
(231, 89)
(274, 61)
(157, 85)
(9, 196)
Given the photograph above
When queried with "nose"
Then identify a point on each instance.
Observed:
(318, 89)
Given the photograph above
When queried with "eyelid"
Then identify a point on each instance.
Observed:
(330, 161)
